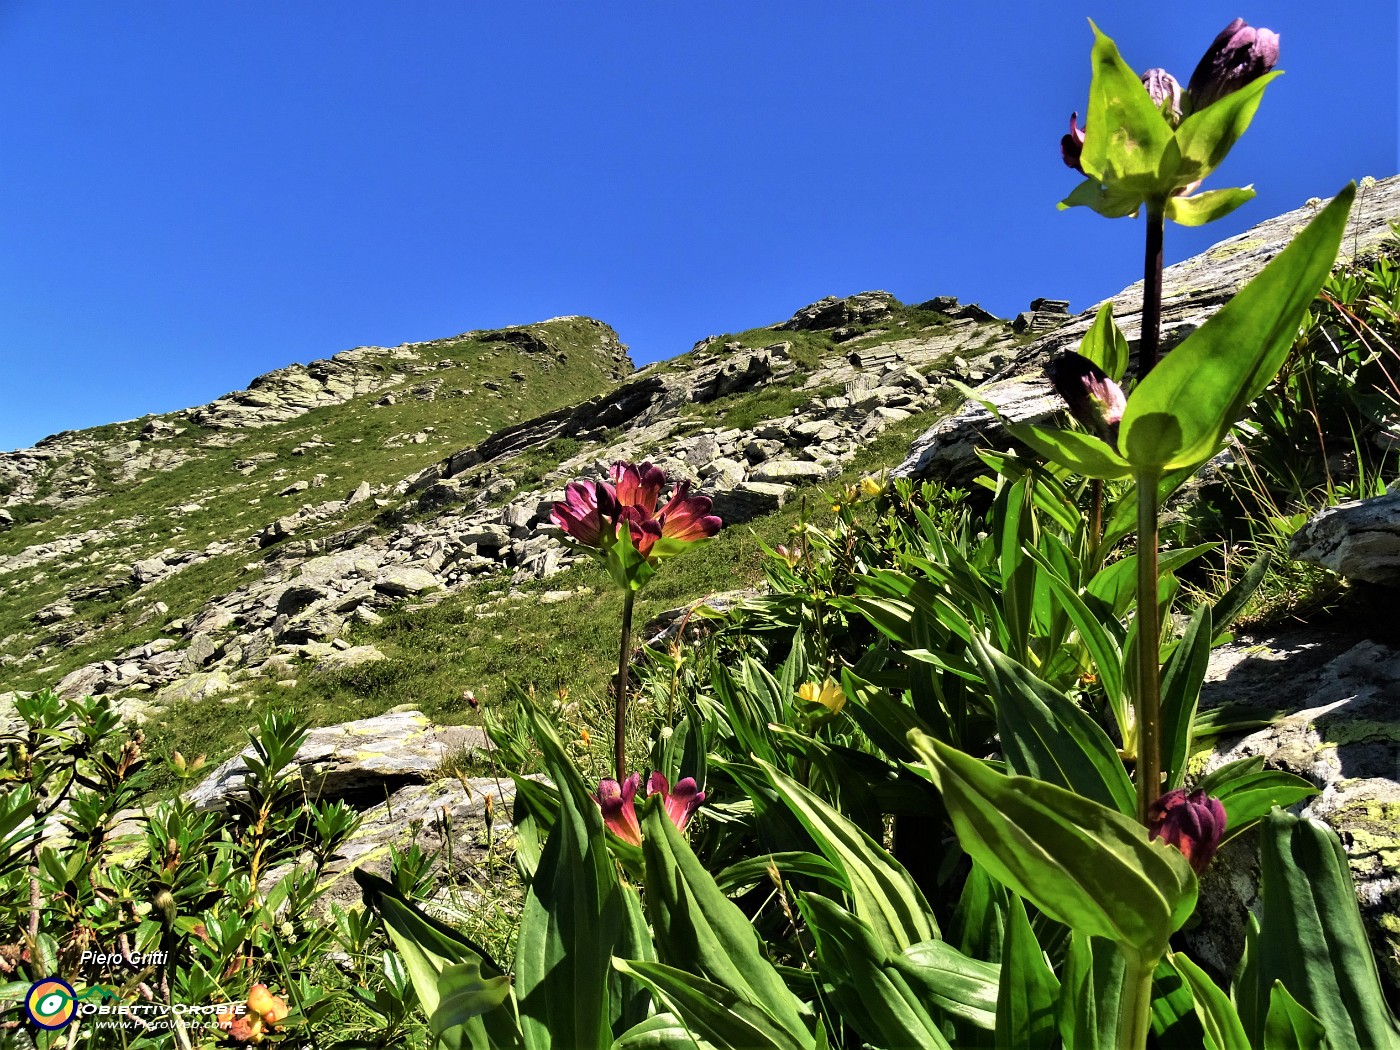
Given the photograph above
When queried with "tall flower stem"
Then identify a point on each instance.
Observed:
(1135, 1004)
(1149, 701)
(1149, 344)
(624, 662)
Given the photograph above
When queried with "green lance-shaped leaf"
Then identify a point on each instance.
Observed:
(1074, 450)
(978, 927)
(1081, 863)
(1125, 135)
(1311, 938)
(1205, 137)
(1029, 990)
(868, 988)
(663, 1031)
(1290, 1027)
(463, 994)
(1105, 344)
(1175, 1025)
(573, 916)
(714, 1012)
(1201, 208)
(1045, 735)
(700, 929)
(1249, 792)
(882, 892)
(1092, 985)
(962, 987)
(429, 948)
(1181, 690)
(1180, 413)
(1218, 1017)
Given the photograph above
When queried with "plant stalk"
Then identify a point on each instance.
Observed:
(1149, 343)
(1149, 701)
(1135, 1003)
(624, 661)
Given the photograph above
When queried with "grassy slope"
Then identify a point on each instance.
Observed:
(368, 444)
(436, 652)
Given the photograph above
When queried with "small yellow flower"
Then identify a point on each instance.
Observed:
(872, 486)
(583, 735)
(828, 694)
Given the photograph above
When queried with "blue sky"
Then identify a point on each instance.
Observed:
(194, 193)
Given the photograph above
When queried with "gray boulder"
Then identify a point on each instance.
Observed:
(1359, 540)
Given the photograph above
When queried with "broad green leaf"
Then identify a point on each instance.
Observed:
(1182, 676)
(1206, 136)
(962, 987)
(1029, 991)
(1251, 793)
(629, 1002)
(1116, 585)
(869, 990)
(885, 719)
(1179, 414)
(1087, 1013)
(715, 1012)
(1290, 1027)
(1114, 201)
(1081, 863)
(749, 872)
(1102, 645)
(1125, 135)
(1105, 344)
(697, 927)
(1075, 450)
(1213, 1006)
(463, 994)
(573, 916)
(979, 923)
(428, 948)
(1044, 734)
(533, 814)
(663, 1031)
(1123, 518)
(1310, 937)
(882, 892)
(1201, 208)
(1175, 1025)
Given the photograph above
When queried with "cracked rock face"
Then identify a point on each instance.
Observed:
(1340, 730)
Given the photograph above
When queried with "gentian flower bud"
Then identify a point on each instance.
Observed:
(1240, 55)
(1093, 399)
(1192, 822)
(1072, 145)
(1162, 86)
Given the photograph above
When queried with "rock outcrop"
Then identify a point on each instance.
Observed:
(1192, 291)
(1336, 686)
(1359, 540)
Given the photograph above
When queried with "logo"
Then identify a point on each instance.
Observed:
(50, 1003)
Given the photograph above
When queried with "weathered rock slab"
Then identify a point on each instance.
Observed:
(1341, 731)
(345, 761)
(1359, 540)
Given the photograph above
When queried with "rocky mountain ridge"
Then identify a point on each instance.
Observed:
(470, 514)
